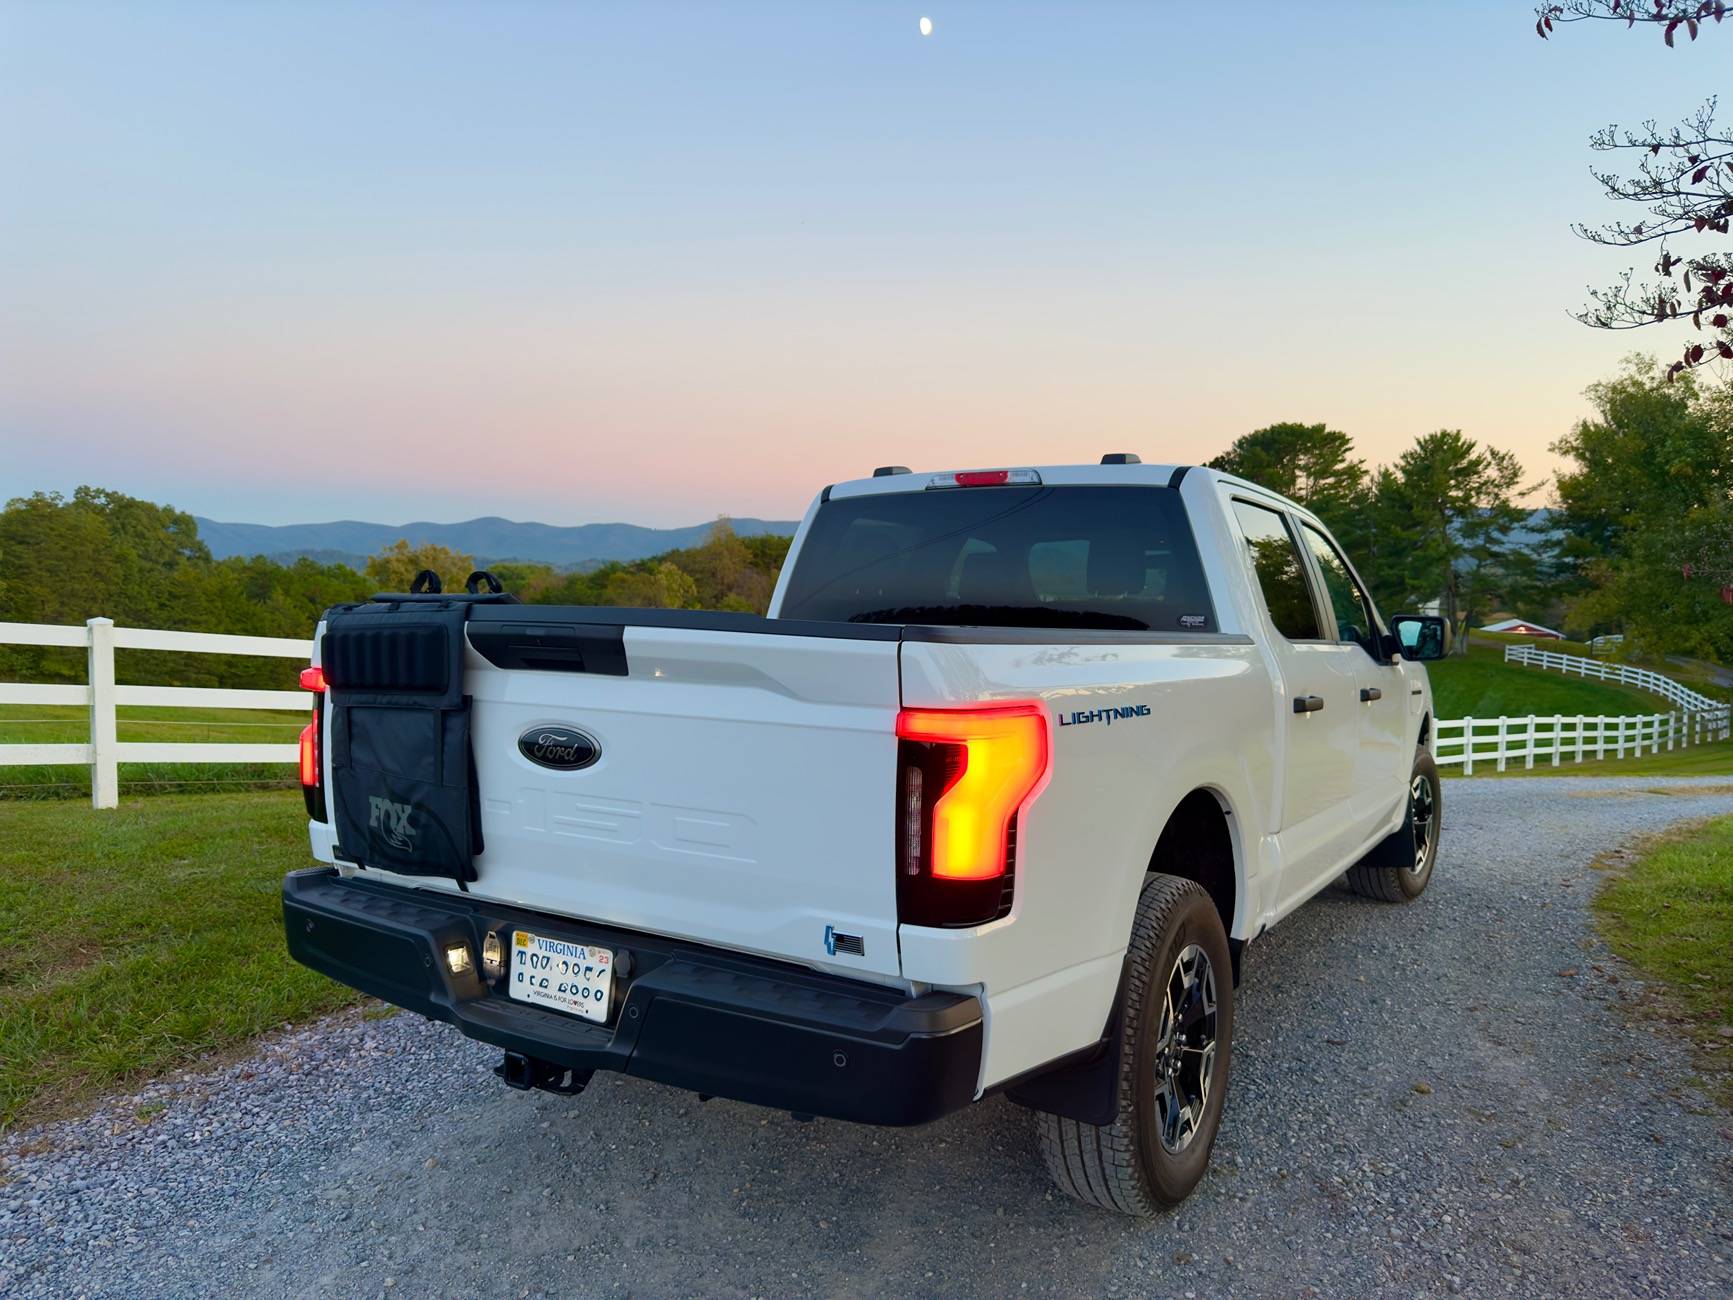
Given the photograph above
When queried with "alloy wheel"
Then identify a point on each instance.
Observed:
(1185, 1051)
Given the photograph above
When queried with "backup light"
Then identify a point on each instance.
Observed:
(492, 955)
(986, 478)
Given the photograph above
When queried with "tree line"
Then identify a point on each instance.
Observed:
(1639, 540)
(101, 553)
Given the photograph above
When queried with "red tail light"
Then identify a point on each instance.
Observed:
(964, 776)
(312, 784)
(310, 754)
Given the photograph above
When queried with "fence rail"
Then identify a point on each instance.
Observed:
(104, 751)
(1458, 742)
(1534, 739)
(1624, 674)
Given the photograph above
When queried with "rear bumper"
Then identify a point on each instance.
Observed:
(717, 1023)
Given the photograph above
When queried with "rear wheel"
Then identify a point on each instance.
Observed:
(1400, 867)
(1177, 1030)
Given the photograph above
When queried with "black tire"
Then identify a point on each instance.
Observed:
(1400, 867)
(1127, 1166)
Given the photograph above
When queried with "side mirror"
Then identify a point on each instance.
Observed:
(1422, 636)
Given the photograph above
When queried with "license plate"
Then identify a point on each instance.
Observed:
(577, 978)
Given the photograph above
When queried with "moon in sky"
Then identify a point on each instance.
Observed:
(926, 27)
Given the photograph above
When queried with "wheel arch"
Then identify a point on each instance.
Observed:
(1202, 840)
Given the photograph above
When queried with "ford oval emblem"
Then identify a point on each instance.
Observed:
(565, 749)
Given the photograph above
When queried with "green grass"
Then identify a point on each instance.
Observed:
(50, 724)
(1481, 685)
(1699, 760)
(142, 938)
(1670, 914)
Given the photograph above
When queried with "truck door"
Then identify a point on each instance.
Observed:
(1385, 753)
(1320, 692)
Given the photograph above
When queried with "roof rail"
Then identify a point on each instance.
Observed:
(1122, 458)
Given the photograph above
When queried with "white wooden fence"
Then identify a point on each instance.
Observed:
(104, 752)
(1458, 742)
(1532, 739)
(1624, 674)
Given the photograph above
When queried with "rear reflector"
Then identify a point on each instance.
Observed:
(987, 478)
(964, 775)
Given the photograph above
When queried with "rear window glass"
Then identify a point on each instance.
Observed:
(1095, 557)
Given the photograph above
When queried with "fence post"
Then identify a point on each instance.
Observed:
(1672, 728)
(1468, 747)
(1503, 722)
(1558, 737)
(104, 766)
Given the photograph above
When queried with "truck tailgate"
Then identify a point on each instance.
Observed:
(742, 795)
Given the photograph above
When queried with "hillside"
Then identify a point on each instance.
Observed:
(1482, 685)
(489, 539)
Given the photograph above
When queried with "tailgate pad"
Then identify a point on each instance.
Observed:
(402, 773)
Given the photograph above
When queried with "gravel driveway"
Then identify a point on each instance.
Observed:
(1427, 1100)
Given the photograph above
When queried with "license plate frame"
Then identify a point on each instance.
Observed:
(563, 975)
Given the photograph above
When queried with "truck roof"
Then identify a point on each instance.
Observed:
(901, 479)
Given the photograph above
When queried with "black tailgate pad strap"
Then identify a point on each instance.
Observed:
(401, 767)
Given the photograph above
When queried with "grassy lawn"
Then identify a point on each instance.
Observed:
(141, 939)
(50, 724)
(1481, 685)
(1670, 914)
(1699, 760)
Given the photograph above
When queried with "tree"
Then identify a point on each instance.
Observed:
(1310, 463)
(659, 585)
(395, 567)
(1648, 511)
(1447, 509)
(1681, 177)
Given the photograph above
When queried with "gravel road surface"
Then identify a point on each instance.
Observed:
(1439, 1099)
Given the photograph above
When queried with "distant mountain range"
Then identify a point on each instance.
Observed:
(490, 540)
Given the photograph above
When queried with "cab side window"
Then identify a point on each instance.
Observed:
(1348, 604)
(1281, 576)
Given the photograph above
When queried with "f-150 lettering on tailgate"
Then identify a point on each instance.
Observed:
(700, 832)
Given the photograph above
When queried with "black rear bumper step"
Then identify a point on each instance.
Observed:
(717, 1023)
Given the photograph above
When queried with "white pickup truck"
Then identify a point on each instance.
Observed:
(992, 801)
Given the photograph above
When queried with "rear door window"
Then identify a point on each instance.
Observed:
(1275, 562)
(1052, 556)
(1348, 604)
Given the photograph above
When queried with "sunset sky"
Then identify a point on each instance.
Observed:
(654, 262)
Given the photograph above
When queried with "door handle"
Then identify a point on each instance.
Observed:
(1370, 693)
(1308, 703)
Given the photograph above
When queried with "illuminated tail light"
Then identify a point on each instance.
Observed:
(312, 783)
(964, 777)
(310, 754)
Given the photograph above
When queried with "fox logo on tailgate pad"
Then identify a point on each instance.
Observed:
(392, 819)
